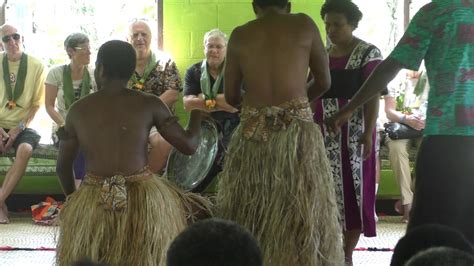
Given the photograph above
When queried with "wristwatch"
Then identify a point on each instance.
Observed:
(22, 125)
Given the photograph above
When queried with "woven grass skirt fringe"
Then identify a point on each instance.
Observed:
(282, 191)
(140, 234)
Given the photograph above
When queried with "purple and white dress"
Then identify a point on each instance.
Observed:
(354, 177)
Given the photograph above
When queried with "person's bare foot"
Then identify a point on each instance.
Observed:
(4, 214)
(398, 207)
(404, 210)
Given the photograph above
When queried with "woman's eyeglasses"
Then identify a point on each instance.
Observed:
(82, 49)
(14, 36)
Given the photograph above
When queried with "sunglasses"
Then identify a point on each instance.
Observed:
(14, 36)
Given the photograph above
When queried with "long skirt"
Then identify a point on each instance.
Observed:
(354, 177)
(281, 189)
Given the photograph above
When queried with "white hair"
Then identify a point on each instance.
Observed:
(215, 33)
(135, 21)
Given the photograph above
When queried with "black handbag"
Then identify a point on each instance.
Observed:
(396, 130)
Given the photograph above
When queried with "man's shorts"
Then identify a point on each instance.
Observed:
(29, 136)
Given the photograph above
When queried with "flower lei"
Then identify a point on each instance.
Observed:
(209, 94)
(139, 84)
(210, 103)
(68, 88)
(14, 93)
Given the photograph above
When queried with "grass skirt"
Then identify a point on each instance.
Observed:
(281, 189)
(140, 234)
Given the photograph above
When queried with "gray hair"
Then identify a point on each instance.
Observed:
(137, 21)
(215, 33)
(75, 39)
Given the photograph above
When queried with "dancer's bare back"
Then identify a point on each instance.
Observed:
(271, 56)
(112, 129)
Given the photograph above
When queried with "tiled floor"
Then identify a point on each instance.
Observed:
(22, 233)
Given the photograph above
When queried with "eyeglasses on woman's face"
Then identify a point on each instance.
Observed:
(82, 49)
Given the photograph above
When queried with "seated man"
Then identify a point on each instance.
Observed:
(155, 73)
(204, 90)
(410, 111)
(122, 214)
(204, 84)
(214, 242)
(20, 98)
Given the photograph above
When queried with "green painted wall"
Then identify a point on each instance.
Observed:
(186, 21)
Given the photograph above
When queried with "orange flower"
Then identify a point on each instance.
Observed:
(211, 103)
(139, 86)
(11, 104)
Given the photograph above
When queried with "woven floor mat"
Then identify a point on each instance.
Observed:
(27, 258)
(23, 233)
(389, 230)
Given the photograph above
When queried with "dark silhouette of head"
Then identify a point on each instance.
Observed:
(271, 3)
(441, 256)
(345, 7)
(427, 236)
(214, 242)
(116, 60)
(261, 6)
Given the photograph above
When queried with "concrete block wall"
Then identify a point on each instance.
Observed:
(186, 21)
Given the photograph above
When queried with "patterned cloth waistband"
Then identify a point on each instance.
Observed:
(113, 192)
(258, 122)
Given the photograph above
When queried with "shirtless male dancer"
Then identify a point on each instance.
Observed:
(122, 214)
(276, 179)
